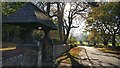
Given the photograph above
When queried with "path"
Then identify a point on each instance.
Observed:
(98, 59)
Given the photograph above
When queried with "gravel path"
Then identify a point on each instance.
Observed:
(97, 58)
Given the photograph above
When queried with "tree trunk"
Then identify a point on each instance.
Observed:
(65, 39)
(60, 20)
(81, 43)
(64, 35)
(94, 43)
(67, 35)
(60, 31)
(113, 40)
(48, 8)
(105, 42)
(88, 43)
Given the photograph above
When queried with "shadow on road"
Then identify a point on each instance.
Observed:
(74, 63)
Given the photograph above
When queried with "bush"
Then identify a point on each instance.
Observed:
(55, 41)
(72, 41)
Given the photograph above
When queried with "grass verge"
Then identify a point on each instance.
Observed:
(115, 53)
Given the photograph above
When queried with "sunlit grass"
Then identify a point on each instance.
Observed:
(107, 50)
(118, 44)
(110, 44)
(77, 42)
(9, 48)
(85, 43)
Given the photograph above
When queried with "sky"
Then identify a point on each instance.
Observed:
(76, 32)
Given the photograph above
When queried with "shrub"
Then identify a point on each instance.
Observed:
(72, 41)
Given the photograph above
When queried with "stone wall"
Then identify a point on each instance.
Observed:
(29, 57)
(20, 60)
(59, 50)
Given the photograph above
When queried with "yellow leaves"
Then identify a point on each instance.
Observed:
(94, 35)
(91, 36)
(97, 12)
(10, 7)
(73, 52)
(104, 12)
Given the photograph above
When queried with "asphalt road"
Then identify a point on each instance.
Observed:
(98, 59)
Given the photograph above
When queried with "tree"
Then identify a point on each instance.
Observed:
(106, 19)
(94, 36)
(55, 11)
(73, 13)
(101, 35)
(10, 7)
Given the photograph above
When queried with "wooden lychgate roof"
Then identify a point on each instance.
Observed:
(30, 15)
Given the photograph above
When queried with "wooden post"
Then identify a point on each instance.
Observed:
(47, 49)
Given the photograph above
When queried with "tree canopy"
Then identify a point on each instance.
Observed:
(106, 19)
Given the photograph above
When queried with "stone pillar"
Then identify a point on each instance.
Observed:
(39, 55)
(47, 50)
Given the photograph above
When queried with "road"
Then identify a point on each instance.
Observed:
(97, 58)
